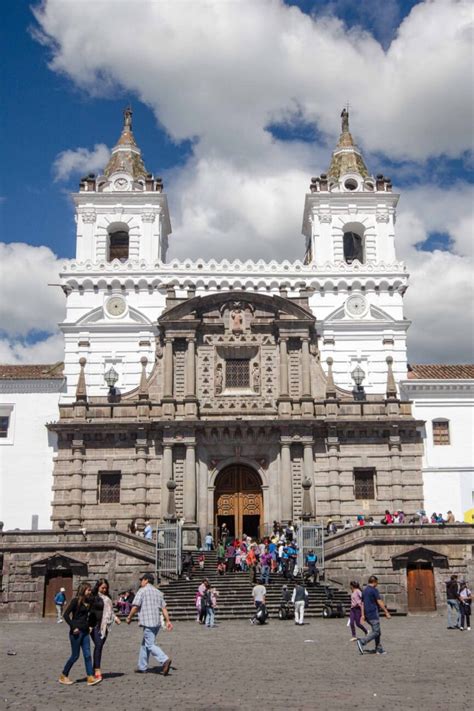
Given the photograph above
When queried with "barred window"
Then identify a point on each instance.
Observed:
(109, 487)
(364, 483)
(237, 373)
(441, 432)
(4, 424)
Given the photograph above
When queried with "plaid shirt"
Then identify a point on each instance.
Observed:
(150, 600)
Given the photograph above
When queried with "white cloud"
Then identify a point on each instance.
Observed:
(27, 303)
(48, 350)
(225, 69)
(80, 160)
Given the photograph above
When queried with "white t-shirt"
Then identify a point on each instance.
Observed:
(259, 593)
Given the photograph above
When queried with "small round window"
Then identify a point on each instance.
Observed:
(350, 184)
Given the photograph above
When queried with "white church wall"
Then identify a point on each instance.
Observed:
(448, 470)
(26, 456)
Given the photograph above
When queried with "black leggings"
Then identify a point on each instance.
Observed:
(98, 645)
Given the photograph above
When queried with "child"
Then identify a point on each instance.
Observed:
(201, 561)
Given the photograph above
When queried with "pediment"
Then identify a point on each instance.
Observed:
(374, 314)
(98, 316)
(261, 306)
(58, 562)
(420, 555)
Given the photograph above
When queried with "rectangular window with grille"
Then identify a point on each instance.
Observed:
(237, 373)
(109, 487)
(440, 432)
(364, 483)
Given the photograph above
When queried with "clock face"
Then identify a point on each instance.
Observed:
(116, 306)
(121, 184)
(356, 305)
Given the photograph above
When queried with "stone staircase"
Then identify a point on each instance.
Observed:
(235, 594)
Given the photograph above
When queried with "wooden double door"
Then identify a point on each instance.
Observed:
(239, 501)
(420, 587)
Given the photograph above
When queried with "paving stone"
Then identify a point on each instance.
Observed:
(242, 666)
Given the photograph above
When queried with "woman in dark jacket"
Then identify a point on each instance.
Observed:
(101, 619)
(77, 617)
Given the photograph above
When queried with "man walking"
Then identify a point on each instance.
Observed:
(371, 602)
(150, 604)
(299, 597)
(259, 593)
(452, 599)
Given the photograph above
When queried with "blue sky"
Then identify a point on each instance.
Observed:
(187, 133)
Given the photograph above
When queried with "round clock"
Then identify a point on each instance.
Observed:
(356, 305)
(121, 184)
(116, 306)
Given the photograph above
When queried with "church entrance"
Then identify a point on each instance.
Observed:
(238, 501)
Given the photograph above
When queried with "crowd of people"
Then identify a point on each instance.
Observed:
(275, 554)
(389, 519)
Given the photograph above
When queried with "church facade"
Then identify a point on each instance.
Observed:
(239, 392)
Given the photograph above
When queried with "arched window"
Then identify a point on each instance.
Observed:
(118, 243)
(353, 243)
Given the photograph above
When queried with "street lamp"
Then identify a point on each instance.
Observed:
(111, 377)
(358, 376)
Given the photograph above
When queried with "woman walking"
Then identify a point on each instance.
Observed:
(77, 617)
(101, 619)
(465, 599)
(356, 610)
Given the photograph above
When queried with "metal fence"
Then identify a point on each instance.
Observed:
(310, 537)
(168, 551)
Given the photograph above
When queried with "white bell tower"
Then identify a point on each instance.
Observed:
(122, 214)
(349, 228)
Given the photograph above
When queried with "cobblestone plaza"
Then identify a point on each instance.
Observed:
(239, 666)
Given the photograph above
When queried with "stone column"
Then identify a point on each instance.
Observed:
(308, 467)
(191, 368)
(166, 476)
(75, 494)
(168, 378)
(189, 489)
(140, 490)
(286, 482)
(305, 367)
(284, 392)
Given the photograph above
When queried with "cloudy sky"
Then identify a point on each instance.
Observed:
(236, 105)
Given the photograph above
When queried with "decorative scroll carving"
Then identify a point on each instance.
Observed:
(89, 217)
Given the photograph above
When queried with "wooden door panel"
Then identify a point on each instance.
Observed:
(420, 589)
(239, 494)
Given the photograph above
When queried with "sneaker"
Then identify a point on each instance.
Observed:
(92, 681)
(380, 651)
(468, 629)
(360, 646)
(63, 679)
(353, 639)
(141, 671)
(166, 667)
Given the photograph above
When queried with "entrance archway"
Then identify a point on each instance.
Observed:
(238, 501)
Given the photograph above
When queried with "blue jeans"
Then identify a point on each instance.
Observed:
(210, 615)
(148, 647)
(454, 610)
(265, 574)
(209, 546)
(78, 642)
(375, 634)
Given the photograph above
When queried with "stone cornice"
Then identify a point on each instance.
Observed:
(438, 386)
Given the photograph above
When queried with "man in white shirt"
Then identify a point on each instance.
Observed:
(299, 597)
(150, 605)
(259, 593)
